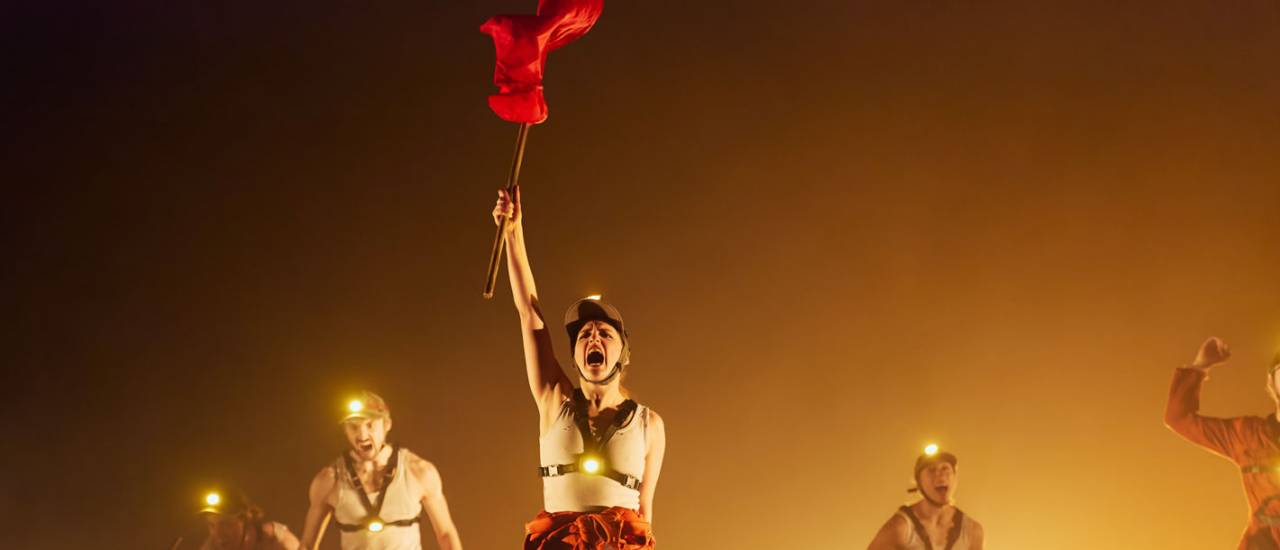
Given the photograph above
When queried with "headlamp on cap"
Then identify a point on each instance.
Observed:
(366, 406)
(212, 503)
(933, 454)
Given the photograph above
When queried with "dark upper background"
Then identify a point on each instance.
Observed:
(838, 230)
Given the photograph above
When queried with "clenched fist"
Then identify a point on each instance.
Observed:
(1212, 352)
(507, 207)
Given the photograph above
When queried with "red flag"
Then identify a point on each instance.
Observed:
(522, 43)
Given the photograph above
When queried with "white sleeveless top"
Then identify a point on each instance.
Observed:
(399, 505)
(915, 542)
(579, 492)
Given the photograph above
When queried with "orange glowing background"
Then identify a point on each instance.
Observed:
(838, 230)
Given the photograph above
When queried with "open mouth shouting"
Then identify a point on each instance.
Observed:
(943, 491)
(595, 357)
(365, 447)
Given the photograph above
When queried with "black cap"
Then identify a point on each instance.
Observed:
(926, 460)
(592, 308)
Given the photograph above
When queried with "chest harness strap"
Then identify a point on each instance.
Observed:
(591, 461)
(952, 536)
(373, 521)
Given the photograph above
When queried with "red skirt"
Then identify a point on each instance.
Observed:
(609, 529)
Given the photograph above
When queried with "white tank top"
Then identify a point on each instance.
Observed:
(578, 492)
(915, 542)
(399, 505)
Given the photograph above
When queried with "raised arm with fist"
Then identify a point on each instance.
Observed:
(1247, 441)
(1212, 352)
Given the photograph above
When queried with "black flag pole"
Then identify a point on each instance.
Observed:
(499, 240)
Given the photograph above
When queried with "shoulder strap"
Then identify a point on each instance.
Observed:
(566, 407)
(957, 527)
(373, 509)
(917, 526)
(644, 425)
(625, 411)
(581, 418)
(339, 467)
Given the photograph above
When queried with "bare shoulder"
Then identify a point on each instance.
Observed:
(654, 421)
(655, 430)
(280, 534)
(422, 470)
(325, 479)
(893, 534)
(274, 530)
(975, 528)
(898, 523)
(418, 465)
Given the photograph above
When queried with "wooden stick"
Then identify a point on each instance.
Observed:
(499, 240)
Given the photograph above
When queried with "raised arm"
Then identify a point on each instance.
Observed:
(321, 508)
(433, 501)
(657, 438)
(547, 381)
(1182, 412)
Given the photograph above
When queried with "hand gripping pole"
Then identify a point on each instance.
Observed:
(499, 240)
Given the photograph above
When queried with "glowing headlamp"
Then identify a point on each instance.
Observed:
(931, 449)
(375, 526)
(212, 500)
(591, 465)
(355, 406)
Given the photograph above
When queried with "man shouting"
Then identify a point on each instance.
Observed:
(376, 491)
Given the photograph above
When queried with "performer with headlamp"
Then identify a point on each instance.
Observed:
(376, 491)
(934, 522)
(241, 527)
(601, 453)
(1251, 442)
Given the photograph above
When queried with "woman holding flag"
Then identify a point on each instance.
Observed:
(601, 453)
